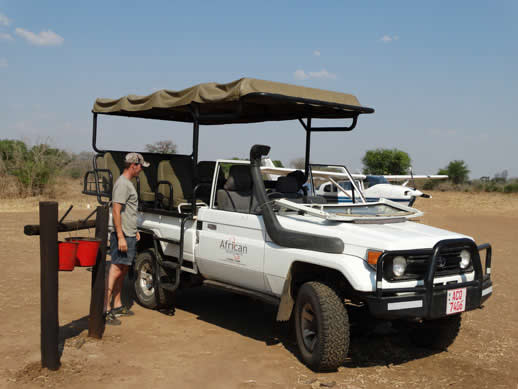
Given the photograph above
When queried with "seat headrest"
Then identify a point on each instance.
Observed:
(239, 179)
(299, 176)
(206, 170)
(287, 184)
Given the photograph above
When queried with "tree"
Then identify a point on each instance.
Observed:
(277, 163)
(34, 168)
(501, 177)
(298, 163)
(162, 147)
(457, 171)
(386, 161)
(79, 164)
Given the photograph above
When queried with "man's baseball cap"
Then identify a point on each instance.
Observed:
(136, 158)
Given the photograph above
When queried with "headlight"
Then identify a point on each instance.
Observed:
(399, 266)
(465, 259)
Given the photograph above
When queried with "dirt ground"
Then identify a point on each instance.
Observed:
(219, 340)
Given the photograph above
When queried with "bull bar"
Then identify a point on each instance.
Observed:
(428, 301)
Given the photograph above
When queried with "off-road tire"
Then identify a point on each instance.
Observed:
(149, 298)
(436, 334)
(332, 327)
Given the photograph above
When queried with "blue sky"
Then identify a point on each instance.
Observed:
(441, 75)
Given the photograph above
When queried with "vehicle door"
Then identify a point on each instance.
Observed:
(231, 238)
(231, 247)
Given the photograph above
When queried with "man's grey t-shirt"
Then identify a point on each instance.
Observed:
(124, 193)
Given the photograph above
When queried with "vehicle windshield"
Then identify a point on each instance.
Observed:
(381, 210)
(373, 209)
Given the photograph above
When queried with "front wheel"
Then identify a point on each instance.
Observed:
(321, 326)
(144, 282)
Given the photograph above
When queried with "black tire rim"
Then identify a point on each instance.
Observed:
(309, 327)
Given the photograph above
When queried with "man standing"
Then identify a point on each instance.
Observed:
(123, 240)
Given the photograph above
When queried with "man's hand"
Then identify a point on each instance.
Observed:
(123, 245)
(138, 236)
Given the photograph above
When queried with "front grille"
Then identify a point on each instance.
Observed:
(448, 263)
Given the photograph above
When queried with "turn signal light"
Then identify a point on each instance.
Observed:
(373, 256)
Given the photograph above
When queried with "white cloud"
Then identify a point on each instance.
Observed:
(5, 37)
(4, 21)
(3, 63)
(44, 38)
(300, 75)
(388, 38)
(316, 53)
(323, 74)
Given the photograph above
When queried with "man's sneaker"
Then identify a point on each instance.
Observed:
(110, 319)
(122, 311)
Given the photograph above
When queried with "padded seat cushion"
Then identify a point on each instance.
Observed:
(236, 194)
(147, 196)
(239, 179)
(178, 172)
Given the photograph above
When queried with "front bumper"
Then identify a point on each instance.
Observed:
(429, 301)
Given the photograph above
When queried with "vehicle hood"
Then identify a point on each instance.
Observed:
(406, 235)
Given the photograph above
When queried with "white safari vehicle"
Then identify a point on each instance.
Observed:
(221, 224)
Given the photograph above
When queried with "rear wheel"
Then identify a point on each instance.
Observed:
(437, 334)
(144, 282)
(321, 327)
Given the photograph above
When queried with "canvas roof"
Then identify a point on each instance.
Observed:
(242, 101)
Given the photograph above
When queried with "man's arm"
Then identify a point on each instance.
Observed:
(116, 211)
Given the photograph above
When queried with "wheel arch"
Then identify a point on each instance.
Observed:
(302, 272)
(146, 240)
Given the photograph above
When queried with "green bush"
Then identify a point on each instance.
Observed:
(457, 172)
(386, 161)
(511, 187)
(35, 167)
(430, 185)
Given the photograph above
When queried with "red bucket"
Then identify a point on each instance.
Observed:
(67, 255)
(87, 248)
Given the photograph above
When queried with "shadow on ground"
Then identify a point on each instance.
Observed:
(369, 346)
(71, 330)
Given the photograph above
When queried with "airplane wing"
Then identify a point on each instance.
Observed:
(281, 171)
(416, 177)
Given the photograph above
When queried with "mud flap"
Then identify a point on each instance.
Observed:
(287, 302)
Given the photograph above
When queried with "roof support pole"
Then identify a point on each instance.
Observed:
(195, 143)
(195, 134)
(307, 127)
(94, 134)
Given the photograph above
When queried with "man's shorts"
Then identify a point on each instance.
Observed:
(118, 257)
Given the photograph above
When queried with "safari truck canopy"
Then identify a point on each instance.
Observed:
(246, 100)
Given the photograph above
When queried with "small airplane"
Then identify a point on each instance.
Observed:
(340, 186)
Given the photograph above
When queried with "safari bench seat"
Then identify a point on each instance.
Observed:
(114, 162)
(114, 165)
(178, 172)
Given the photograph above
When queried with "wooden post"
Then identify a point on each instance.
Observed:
(96, 319)
(49, 256)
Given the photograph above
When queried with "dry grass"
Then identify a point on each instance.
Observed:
(471, 202)
(66, 191)
(9, 186)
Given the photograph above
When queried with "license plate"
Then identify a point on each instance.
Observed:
(456, 301)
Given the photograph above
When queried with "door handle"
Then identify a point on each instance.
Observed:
(211, 226)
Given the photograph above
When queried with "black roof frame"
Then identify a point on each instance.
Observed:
(233, 118)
